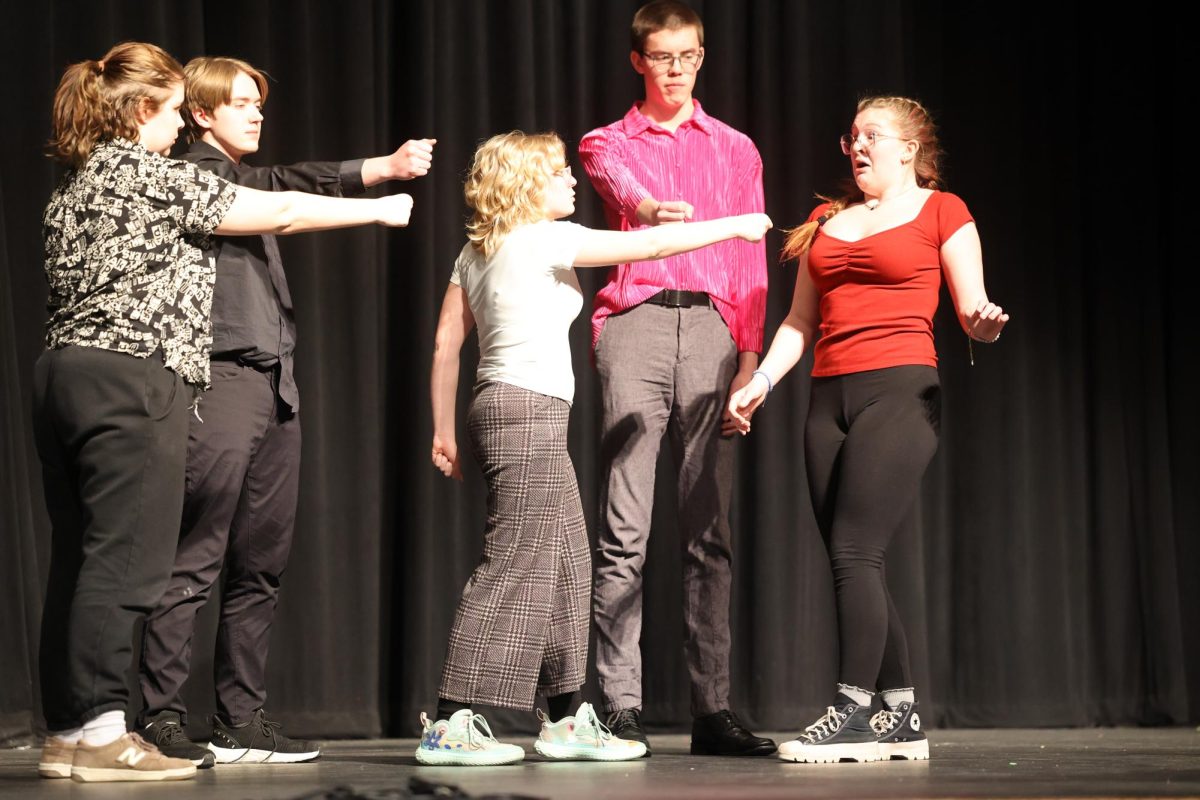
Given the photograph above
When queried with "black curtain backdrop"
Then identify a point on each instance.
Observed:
(1048, 573)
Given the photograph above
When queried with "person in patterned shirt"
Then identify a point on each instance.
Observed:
(128, 342)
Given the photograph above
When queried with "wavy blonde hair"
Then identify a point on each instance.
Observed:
(915, 123)
(100, 100)
(506, 183)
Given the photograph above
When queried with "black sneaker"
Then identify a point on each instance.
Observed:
(165, 731)
(627, 724)
(843, 733)
(723, 734)
(258, 741)
(898, 731)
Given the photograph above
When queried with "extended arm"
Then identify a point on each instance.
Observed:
(255, 211)
(603, 248)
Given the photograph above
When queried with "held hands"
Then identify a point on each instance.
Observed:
(445, 457)
(753, 227)
(744, 402)
(412, 159)
(394, 210)
(729, 425)
(986, 321)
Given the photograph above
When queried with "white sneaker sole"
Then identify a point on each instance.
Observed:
(107, 774)
(225, 755)
(915, 751)
(54, 770)
(566, 752)
(829, 753)
(458, 758)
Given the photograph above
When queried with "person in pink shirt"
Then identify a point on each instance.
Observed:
(673, 338)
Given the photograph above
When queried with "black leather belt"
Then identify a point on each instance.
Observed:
(678, 298)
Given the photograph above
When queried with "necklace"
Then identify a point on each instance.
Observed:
(875, 202)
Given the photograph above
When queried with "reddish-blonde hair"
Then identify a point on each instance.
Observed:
(100, 100)
(915, 123)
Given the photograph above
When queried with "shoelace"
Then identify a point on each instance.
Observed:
(138, 741)
(169, 734)
(884, 721)
(266, 728)
(826, 726)
(477, 725)
(586, 717)
(620, 719)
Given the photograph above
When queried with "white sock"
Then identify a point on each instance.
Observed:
(861, 697)
(892, 698)
(70, 736)
(104, 729)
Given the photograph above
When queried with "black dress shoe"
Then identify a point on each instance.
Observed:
(722, 734)
(627, 724)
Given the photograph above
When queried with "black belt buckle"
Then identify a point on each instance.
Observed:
(680, 298)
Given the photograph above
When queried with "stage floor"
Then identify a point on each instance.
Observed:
(1122, 762)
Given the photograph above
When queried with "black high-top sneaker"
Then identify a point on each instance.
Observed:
(842, 733)
(898, 731)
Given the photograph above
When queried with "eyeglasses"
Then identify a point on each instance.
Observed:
(661, 62)
(867, 139)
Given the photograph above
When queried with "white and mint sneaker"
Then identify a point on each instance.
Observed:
(583, 737)
(464, 740)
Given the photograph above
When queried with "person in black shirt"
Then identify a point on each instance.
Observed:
(243, 461)
(127, 348)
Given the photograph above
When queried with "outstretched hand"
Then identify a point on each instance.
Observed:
(986, 322)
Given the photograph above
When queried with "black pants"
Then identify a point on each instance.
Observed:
(869, 437)
(243, 468)
(111, 432)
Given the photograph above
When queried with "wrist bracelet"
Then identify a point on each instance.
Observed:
(766, 377)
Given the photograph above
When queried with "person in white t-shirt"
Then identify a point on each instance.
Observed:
(522, 625)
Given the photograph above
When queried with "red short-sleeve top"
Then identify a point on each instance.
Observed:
(878, 295)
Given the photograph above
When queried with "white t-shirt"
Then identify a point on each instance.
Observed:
(524, 299)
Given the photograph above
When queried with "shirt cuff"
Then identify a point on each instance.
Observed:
(350, 176)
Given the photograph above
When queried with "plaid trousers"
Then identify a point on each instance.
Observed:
(522, 623)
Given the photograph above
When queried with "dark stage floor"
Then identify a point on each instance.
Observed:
(1124, 762)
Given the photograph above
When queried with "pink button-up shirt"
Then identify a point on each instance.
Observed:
(708, 164)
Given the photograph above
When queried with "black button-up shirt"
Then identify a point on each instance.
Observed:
(252, 316)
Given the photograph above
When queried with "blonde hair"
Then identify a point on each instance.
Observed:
(210, 84)
(916, 124)
(100, 100)
(506, 183)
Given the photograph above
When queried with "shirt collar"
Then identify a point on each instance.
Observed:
(635, 121)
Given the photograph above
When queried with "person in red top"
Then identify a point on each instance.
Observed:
(672, 337)
(871, 266)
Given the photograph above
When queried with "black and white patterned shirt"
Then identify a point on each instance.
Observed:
(125, 238)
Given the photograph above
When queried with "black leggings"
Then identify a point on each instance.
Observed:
(869, 437)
